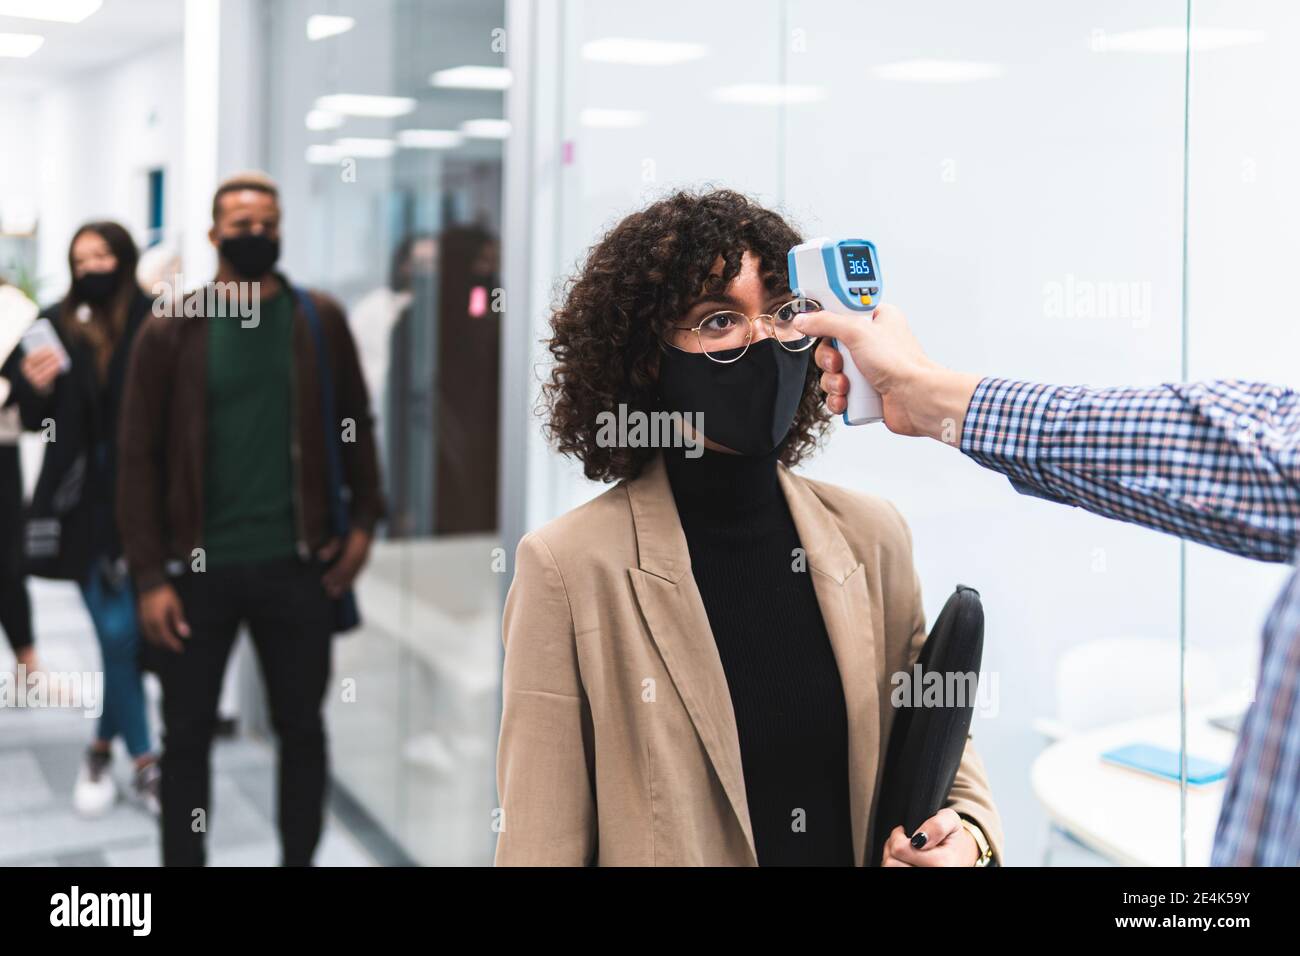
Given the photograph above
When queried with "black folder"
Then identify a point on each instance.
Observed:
(926, 743)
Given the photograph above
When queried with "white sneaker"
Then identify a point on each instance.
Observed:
(96, 790)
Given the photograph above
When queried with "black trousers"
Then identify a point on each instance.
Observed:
(290, 618)
(15, 606)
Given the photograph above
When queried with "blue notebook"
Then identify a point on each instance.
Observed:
(1162, 762)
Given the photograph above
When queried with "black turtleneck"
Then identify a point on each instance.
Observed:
(781, 672)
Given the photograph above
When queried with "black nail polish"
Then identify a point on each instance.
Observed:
(918, 841)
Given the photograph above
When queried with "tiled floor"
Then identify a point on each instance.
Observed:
(41, 749)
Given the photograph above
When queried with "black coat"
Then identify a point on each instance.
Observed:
(70, 521)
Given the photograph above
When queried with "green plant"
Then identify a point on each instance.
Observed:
(24, 278)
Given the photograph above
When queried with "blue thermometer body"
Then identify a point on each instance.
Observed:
(843, 276)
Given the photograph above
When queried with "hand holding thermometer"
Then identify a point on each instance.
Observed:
(843, 276)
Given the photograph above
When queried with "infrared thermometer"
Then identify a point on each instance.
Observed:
(843, 276)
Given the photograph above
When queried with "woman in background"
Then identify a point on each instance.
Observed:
(16, 311)
(73, 503)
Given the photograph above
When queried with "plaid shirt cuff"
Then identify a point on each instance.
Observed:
(1003, 431)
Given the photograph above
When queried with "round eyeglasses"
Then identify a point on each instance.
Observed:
(725, 336)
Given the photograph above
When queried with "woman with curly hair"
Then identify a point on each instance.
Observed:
(697, 662)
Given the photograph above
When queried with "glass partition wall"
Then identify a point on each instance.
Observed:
(386, 134)
(1024, 186)
(1059, 194)
(1025, 172)
(1243, 204)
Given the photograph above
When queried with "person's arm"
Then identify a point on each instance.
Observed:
(545, 756)
(142, 420)
(142, 424)
(360, 459)
(1214, 462)
(17, 313)
(360, 462)
(35, 405)
(971, 798)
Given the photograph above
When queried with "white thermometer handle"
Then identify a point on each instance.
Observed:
(865, 406)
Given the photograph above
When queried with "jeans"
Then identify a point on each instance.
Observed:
(290, 617)
(112, 611)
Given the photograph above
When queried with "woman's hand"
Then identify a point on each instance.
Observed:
(41, 367)
(947, 843)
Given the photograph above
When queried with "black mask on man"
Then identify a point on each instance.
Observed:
(95, 287)
(252, 254)
(747, 405)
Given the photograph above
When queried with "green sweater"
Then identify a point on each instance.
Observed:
(248, 506)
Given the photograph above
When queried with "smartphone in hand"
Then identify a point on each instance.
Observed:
(40, 334)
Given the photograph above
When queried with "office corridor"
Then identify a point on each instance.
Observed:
(41, 750)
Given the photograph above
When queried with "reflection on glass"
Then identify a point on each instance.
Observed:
(397, 214)
(443, 386)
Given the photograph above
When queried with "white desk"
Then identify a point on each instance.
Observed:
(1129, 817)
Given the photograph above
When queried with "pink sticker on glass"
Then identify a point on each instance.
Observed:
(478, 302)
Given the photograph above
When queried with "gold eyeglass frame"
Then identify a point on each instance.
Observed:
(771, 324)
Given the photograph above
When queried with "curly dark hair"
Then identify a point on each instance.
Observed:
(642, 276)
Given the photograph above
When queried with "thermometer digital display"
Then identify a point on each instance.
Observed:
(857, 262)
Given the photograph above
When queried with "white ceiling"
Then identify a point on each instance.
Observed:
(117, 30)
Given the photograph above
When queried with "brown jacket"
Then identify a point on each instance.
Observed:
(162, 444)
(618, 741)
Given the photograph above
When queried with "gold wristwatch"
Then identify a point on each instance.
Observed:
(981, 841)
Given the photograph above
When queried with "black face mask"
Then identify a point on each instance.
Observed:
(747, 405)
(95, 287)
(251, 255)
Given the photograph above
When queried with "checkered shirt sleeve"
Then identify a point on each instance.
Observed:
(1213, 462)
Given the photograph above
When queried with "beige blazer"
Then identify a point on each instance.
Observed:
(618, 741)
